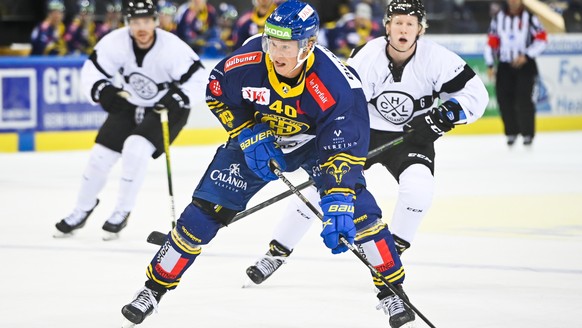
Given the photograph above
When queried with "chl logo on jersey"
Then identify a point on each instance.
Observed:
(143, 85)
(396, 107)
(261, 96)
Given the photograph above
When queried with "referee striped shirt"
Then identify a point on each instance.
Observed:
(513, 35)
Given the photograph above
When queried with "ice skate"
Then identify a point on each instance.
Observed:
(114, 225)
(145, 302)
(267, 264)
(74, 221)
(401, 244)
(401, 316)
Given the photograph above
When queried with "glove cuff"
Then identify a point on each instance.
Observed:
(97, 88)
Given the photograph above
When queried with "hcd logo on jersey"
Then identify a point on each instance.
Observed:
(261, 96)
(396, 107)
(243, 59)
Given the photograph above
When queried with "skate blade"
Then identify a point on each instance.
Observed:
(248, 283)
(409, 325)
(59, 234)
(109, 236)
(127, 324)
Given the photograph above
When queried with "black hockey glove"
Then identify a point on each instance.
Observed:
(431, 126)
(174, 99)
(110, 97)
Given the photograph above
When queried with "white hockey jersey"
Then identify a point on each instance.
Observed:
(146, 77)
(432, 72)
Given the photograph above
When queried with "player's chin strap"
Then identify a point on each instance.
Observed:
(301, 61)
(391, 46)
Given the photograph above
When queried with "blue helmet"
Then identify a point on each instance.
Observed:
(293, 20)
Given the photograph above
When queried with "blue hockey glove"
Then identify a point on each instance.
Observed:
(258, 144)
(338, 219)
(433, 125)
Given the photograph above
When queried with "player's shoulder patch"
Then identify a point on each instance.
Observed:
(248, 58)
(319, 91)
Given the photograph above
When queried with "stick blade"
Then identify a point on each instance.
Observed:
(157, 238)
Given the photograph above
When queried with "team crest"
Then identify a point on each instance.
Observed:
(145, 87)
(395, 107)
(338, 172)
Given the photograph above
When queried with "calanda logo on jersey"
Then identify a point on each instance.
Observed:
(243, 59)
(261, 96)
(229, 178)
(145, 87)
(396, 107)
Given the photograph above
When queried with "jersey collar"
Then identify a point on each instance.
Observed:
(283, 89)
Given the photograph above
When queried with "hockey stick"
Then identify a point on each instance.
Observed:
(166, 136)
(158, 238)
(343, 240)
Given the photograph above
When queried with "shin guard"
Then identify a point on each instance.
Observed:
(182, 246)
(374, 240)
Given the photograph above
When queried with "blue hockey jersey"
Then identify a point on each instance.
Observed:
(327, 104)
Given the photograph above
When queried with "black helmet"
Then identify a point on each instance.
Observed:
(140, 8)
(405, 7)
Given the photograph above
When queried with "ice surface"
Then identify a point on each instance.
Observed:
(501, 247)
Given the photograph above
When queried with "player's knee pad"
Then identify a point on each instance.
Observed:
(375, 242)
(196, 226)
(416, 186)
(101, 160)
(365, 209)
(221, 214)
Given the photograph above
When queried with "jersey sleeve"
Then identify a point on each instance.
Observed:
(343, 129)
(454, 78)
(102, 64)
(224, 99)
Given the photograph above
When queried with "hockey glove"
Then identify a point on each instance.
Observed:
(110, 97)
(174, 100)
(431, 126)
(258, 144)
(338, 219)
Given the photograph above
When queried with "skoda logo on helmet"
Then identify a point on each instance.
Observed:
(278, 32)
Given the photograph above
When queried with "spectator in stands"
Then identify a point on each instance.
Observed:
(196, 20)
(516, 37)
(167, 14)
(463, 20)
(80, 35)
(573, 16)
(357, 31)
(222, 40)
(253, 21)
(112, 20)
(48, 37)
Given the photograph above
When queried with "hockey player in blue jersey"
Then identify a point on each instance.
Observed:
(280, 97)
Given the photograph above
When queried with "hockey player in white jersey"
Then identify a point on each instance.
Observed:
(402, 76)
(157, 70)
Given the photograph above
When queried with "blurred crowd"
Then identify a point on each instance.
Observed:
(214, 31)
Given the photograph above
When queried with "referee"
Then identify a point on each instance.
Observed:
(516, 37)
